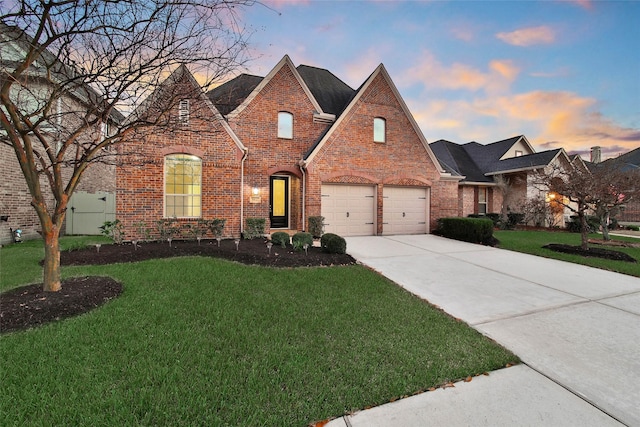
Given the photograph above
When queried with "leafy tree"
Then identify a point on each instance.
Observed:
(68, 67)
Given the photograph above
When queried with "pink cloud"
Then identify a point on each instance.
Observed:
(529, 36)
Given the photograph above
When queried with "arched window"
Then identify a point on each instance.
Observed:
(285, 125)
(183, 186)
(379, 130)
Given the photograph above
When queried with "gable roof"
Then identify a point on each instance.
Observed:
(284, 62)
(228, 96)
(183, 72)
(379, 71)
(477, 163)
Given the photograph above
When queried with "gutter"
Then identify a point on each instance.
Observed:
(244, 157)
(302, 164)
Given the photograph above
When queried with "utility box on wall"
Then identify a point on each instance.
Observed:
(86, 212)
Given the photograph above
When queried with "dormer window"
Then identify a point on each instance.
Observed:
(379, 130)
(183, 112)
(285, 125)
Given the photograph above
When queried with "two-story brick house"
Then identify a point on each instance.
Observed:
(296, 143)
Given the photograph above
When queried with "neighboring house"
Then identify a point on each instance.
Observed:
(628, 162)
(499, 177)
(296, 143)
(16, 211)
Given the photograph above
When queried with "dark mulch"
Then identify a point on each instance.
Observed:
(591, 252)
(253, 252)
(29, 306)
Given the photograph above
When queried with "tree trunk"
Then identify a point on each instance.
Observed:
(584, 230)
(51, 270)
(604, 223)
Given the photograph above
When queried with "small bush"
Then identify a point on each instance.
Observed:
(473, 230)
(255, 228)
(632, 227)
(593, 223)
(280, 238)
(167, 228)
(216, 226)
(300, 239)
(113, 230)
(513, 219)
(333, 244)
(316, 226)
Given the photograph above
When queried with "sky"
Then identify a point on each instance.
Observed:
(566, 74)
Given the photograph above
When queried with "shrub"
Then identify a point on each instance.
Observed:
(333, 244)
(255, 228)
(167, 228)
(474, 230)
(280, 238)
(113, 230)
(593, 224)
(496, 218)
(216, 226)
(514, 218)
(300, 239)
(144, 232)
(316, 226)
(632, 227)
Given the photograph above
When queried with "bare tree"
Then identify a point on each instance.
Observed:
(601, 190)
(615, 188)
(68, 67)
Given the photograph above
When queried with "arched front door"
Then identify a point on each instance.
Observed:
(279, 202)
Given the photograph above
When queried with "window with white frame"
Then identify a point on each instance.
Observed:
(183, 112)
(379, 130)
(183, 186)
(482, 200)
(285, 125)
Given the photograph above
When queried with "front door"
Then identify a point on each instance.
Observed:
(279, 202)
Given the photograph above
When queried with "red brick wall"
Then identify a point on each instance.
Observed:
(140, 180)
(257, 128)
(350, 155)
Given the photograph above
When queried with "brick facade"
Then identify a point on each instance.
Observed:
(348, 155)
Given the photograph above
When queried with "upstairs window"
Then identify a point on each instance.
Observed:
(379, 130)
(183, 112)
(518, 153)
(183, 186)
(285, 125)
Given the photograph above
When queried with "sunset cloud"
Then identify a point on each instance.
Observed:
(529, 36)
(434, 75)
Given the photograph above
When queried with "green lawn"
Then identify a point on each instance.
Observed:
(532, 242)
(199, 341)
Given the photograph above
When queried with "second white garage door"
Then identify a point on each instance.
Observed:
(406, 210)
(349, 210)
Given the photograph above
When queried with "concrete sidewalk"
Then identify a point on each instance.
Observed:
(577, 329)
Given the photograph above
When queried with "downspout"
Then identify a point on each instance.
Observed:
(244, 157)
(302, 164)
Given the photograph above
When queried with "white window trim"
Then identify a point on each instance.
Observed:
(281, 134)
(376, 137)
(184, 112)
(164, 187)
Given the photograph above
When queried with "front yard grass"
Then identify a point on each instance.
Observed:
(532, 242)
(200, 341)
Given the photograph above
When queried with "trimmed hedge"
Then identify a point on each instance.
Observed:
(333, 244)
(316, 226)
(473, 230)
(255, 228)
(280, 238)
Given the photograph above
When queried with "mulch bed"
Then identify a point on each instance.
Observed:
(591, 252)
(29, 306)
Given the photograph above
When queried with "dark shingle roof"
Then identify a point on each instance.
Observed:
(457, 161)
(530, 161)
(332, 94)
(477, 162)
(628, 161)
(228, 96)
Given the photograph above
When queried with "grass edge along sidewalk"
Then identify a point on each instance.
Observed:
(212, 342)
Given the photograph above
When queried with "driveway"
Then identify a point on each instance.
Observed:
(576, 328)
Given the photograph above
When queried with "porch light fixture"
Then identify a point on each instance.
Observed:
(255, 191)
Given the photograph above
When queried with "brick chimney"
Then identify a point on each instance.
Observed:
(596, 154)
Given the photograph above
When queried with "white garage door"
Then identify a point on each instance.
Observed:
(348, 210)
(405, 210)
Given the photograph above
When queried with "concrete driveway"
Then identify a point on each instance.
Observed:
(576, 328)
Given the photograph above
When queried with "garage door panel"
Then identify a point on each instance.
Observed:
(405, 210)
(348, 209)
